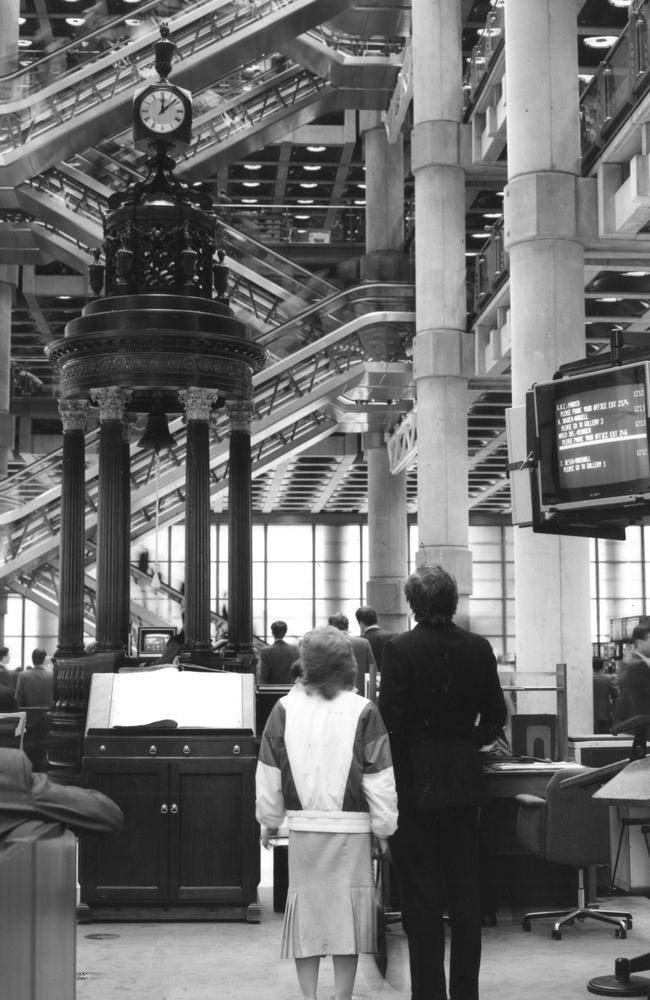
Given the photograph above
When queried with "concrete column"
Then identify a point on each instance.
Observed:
(6, 421)
(9, 30)
(441, 346)
(384, 259)
(112, 521)
(197, 404)
(74, 415)
(548, 320)
(240, 528)
(387, 537)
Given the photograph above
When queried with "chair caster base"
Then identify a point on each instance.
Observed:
(610, 986)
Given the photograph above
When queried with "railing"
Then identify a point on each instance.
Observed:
(491, 39)
(619, 83)
(491, 266)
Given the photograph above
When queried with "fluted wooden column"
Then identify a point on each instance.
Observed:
(240, 551)
(197, 404)
(112, 520)
(74, 415)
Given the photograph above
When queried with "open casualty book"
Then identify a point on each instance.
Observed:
(191, 700)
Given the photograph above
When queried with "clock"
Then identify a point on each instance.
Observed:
(162, 113)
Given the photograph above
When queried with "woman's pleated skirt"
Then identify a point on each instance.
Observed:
(331, 898)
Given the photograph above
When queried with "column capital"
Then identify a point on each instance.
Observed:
(197, 403)
(112, 402)
(240, 414)
(74, 414)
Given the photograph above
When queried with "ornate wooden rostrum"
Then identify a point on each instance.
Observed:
(162, 337)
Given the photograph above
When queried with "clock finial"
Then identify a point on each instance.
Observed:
(164, 50)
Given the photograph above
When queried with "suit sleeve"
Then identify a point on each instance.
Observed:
(493, 708)
(84, 810)
(394, 691)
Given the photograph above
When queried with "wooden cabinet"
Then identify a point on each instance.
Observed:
(190, 848)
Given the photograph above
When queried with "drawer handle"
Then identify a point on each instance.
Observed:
(153, 749)
(102, 748)
(164, 809)
(186, 750)
(236, 749)
(174, 809)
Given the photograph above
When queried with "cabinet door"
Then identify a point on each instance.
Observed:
(214, 849)
(130, 866)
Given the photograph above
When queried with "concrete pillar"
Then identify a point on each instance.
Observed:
(387, 537)
(240, 531)
(441, 346)
(112, 521)
(74, 416)
(384, 259)
(6, 421)
(9, 30)
(197, 404)
(548, 320)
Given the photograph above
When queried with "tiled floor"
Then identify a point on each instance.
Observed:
(239, 961)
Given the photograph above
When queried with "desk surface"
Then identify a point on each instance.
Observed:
(505, 779)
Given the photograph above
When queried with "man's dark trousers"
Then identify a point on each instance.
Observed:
(436, 860)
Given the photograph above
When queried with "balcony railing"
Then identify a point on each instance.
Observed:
(619, 83)
(491, 39)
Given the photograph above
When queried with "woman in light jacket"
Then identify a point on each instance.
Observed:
(325, 768)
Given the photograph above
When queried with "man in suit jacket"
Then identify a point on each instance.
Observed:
(435, 681)
(276, 660)
(370, 630)
(35, 685)
(8, 677)
(633, 681)
(366, 663)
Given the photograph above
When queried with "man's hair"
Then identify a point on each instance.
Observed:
(4, 651)
(278, 629)
(432, 595)
(328, 663)
(38, 656)
(366, 615)
(597, 663)
(339, 620)
(641, 631)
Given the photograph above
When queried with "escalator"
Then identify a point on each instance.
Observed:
(298, 401)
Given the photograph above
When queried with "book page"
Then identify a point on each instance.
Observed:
(194, 700)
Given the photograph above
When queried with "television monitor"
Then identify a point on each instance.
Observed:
(152, 641)
(591, 444)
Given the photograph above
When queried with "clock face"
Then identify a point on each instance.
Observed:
(162, 110)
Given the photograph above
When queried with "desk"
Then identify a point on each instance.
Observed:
(506, 779)
(512, 878)
(508, 871)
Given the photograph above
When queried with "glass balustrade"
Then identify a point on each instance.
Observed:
(491, 39)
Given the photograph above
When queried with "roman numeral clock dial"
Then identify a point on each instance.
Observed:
(163, 113)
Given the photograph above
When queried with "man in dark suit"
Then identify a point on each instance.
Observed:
(366, 663)
(370, 630)
(276, 660)
(436, 680)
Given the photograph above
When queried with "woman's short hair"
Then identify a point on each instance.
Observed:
(328, 663)
(432, 595)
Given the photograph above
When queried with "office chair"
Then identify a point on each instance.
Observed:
(568, 827)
